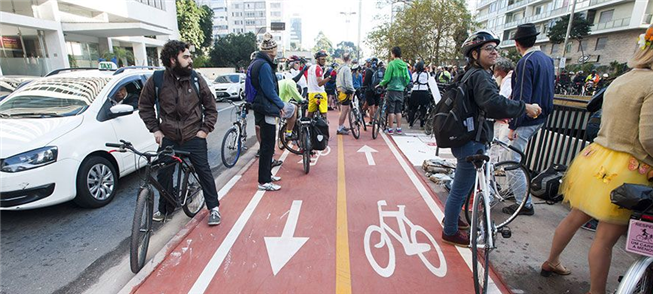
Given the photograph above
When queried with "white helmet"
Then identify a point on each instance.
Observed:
(605, 75)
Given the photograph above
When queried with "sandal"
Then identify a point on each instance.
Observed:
(549, 268)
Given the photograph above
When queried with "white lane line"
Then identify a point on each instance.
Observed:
(465, 253)
(227, 187)
(226, 108)
(220, 254)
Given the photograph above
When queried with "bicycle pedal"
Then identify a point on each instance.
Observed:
(505, 232)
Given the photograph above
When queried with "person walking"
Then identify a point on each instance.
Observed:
(533, 82)
(396, 79)
(185, 117)
(345, 86)
(420, 96)
(267, 108)
(481, 50)
(621, 153)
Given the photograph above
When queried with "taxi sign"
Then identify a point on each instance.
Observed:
(107, 65)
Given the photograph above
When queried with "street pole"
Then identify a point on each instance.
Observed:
(563, 59)
(358, 42)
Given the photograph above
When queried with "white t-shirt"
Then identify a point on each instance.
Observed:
(302, 81)
(506, 86)
(312, 73)
(421, 84)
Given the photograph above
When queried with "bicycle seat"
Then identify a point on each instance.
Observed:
(477, 159)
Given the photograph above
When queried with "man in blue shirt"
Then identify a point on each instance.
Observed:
(533, 82)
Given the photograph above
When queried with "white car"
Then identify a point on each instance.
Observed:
(229, 86)
(53, 133)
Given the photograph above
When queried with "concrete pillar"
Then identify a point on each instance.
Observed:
(57, 53)
(639, 9)
(105, 45)
(158, 55)
(140, 54)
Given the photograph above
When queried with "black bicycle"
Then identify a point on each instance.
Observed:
(355, 117)
(305, 128)
(380, 118)
(291, 143)
(187, 195)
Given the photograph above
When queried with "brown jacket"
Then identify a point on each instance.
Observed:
(183, 114)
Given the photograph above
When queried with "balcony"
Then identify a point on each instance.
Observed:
(484, 3)
(507, 43)
(617, 23)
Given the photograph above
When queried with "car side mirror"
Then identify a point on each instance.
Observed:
(121, 110)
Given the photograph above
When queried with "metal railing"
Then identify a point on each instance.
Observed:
(561, 138)
(617, 23)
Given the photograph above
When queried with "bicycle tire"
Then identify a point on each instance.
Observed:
(141, 229)
(638, 278)
(294, 149)
(428, 125)
(354, 125)
(306, 151)
(479, 229)
(376, 124)
(231, 146)
(506, 198)
(193, 194)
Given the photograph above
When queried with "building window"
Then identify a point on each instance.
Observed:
(261, 5)
(538, 10)
(276, 13)
(600, 43)
(275, 5)
(250, 14)
(250, 22)
(237, 6)
(568, 49)
(606, 16)
(554, 48)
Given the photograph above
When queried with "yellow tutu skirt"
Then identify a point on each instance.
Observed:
(593, 174)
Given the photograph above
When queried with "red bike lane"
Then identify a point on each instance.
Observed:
(310, 237)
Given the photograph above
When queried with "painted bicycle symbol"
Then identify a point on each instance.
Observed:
(317, 156)
(410, 243)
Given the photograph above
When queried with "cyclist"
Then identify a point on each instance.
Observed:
(481, 51)
(180, 125)
(296, 73)
(288, 90)
(316, 81)
(330, 86)
(371, 96)
(396, 79)
(345, 87)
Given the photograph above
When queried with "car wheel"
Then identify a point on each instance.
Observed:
(97, 181)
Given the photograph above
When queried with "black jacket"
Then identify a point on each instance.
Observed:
(267, 99)
(484, 92)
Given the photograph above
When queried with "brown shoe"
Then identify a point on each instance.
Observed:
(549, 268)
(458, 239)
(462, 225)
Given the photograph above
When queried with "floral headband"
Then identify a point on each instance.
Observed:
(645, 41)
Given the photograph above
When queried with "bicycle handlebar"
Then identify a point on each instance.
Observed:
(124, 146)
(522, 157)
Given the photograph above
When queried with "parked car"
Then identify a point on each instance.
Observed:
(54, 134)
(9, 84)
(229, 86)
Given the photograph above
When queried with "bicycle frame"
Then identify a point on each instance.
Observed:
(182, 168)
(481, 184)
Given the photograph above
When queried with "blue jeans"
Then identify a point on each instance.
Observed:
(524, 134)
(463, 183)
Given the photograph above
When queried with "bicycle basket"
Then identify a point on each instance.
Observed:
(638, 198)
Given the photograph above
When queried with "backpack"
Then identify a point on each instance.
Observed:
(457, 121)
(251, 80)
(158, 84)
(319, 134)
(377, 77)
(546, 184)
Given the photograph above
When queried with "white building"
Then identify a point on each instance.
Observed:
(295, 32)
(37, 36)
(617, 23)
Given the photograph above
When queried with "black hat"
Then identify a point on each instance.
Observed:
(525, 30)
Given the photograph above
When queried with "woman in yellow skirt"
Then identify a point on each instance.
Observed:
(622, 153)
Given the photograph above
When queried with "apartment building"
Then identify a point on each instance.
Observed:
(37, 36)
(295, 32)
(616, 25)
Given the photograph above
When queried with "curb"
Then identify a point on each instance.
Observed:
(135, 282)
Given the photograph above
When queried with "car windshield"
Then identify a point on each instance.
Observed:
(228, 79)
(53, 97)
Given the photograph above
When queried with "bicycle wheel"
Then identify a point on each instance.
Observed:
(383, 241)
(638, 279)
(231, 147)
(434, 251)
(428, 125)
(293, 147)
(193, 194)
(141, 229)
(354, 125)
(480, 236)
(376, 124)
(306, 150)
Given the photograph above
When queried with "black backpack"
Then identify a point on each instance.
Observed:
(319, 134)
(457, 121)
(546, 184)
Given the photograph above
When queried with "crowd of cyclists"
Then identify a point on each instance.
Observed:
(580, 83)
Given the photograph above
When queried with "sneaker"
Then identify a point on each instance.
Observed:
(591, 225)
(269, 187)
(275, 179)
(342, 132)
(214, 217)
(276, 162)
(159, 217)
(462, 225)
(388, 131)
(258, 153)
(399, 132)
(458, 239)
(524, 211)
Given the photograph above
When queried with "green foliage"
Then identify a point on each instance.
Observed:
(424, 30)
(189, 16)
(125, 57)
(233, 50)
(206, 24)
(580, 28)
(346, 47)
(72, 61)
(323, 43)
(202, 61)
(511, 53)
(617, 68)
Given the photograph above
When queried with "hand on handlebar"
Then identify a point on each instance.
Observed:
(158, 137)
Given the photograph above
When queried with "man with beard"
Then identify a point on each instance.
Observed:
(186, 114)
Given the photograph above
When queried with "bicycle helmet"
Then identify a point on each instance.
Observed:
(478, 39)
(572, 73)
(355, 67)
(293, 58)
(334, 65)
(605, 75)
(321, 53)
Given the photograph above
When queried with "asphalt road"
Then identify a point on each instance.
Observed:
(64, 248)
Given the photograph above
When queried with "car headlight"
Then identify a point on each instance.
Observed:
(30, 159)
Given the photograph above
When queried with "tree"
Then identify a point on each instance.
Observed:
(189, 16)
(346, 47)
(206, 24)
(512, 54)
(580, 28)
(233, 50)
(323, 43)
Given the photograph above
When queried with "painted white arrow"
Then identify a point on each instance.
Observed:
(368, 154)
(282, 249)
